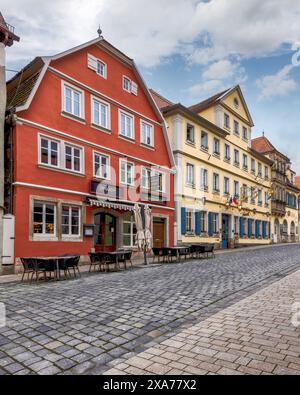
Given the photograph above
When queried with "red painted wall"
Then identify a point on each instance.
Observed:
(46, 110)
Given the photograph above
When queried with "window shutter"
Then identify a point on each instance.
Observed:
(269, 230)
(241, 226)
(256, 229)
(134, 88)
(249, 228)
(264, 229)
(210, 224)
(92, 62)
(197, 223)
(183, 221)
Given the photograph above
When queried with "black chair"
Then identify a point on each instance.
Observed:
(125, 257)
(172, 253)
(95, 262)
(72, 263)
(29, 268)
(44, 266)
(210, 251)
(157, 253)
(184, 252)
(108, 259)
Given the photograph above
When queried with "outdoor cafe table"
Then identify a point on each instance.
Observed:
(56, 259)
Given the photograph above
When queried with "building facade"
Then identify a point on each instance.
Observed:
(285, 193)
(84, 142)
(222, 185)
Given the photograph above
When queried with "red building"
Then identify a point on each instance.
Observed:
(85, 144)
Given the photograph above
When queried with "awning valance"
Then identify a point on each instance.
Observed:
(110, 205)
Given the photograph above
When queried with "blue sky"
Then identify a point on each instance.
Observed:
(186, 49)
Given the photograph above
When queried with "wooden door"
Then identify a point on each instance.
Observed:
(105, 238)
(159, 234)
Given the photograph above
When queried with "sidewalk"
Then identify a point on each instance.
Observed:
(254, 336)
(138, 262)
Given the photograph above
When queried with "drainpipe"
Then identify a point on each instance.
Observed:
(2, 120)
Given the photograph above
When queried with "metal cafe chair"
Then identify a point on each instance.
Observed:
(95, 261)
(72, 263)
(28, 268)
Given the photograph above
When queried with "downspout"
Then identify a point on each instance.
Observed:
(2, 120)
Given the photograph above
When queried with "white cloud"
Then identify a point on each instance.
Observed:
(222, 69)
(205, 89)
(279, 84)
(150, 31)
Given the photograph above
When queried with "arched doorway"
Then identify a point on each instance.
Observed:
(293, 231)
(285, 231)
(105, 232)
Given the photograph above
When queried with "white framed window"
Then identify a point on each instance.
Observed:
(203, 221)
(190, 174)
(100, 113)
(101, 69)
(44, 219)
(226, 121)
(236, 128)
(190, 134)
(97, 65)
(245, 133)
(259, 198)
(73, 158)
(216, 146)
(73, 100)
(236, 157)
(49, 151)
(245, 162)
(215, 223)
(266, 172)
(236, 225)
(130, 86)
(126, 84)
(70, 221)
(101, 166)
(204, 179)
(236, 187)
(126, 125)
(227, 155)
(226, 186)
(216, 182)
(204, 140)
(146, 178)
(259, 169)
(190, 221)
(129, 231)
(158, 181)
(253, 167)
(147, 134)
(126, 173)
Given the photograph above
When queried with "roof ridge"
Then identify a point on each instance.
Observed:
(161, 96)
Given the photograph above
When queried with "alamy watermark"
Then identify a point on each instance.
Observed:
(2, 315)
(296, 315)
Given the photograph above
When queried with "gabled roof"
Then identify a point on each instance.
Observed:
(160, 100)
(218, 98)
(264, 146)
(203, 105)
(23, 86)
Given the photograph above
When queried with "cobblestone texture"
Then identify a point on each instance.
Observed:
(101, 321)
(254, 336)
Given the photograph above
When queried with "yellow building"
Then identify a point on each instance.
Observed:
(284, 203)
(222, 185)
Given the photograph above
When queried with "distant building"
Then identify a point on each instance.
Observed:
(285, 193)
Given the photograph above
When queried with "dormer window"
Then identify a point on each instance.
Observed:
(101, 68)
(236, 103)
(97, 65)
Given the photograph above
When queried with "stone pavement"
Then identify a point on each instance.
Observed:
(254, 336)
(89, 325)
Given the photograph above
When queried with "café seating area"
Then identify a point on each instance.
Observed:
(171, 254)
(50, 268)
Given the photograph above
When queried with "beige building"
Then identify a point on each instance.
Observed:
(222, 186)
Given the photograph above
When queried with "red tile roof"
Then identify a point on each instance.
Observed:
(19, 95)
(160, 101)
(297, 182)
(262, 145)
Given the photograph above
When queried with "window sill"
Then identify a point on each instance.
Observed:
(237, 165)
(216, 193)
(149, 147)
(44, 238)
(100, 128)
(204, 189)
(128, 139)
(71, 240)
(216, 155)
(204, 149)
(190, 143)
(190, 186)
(73, 117)
(70, 172)
(227, 160)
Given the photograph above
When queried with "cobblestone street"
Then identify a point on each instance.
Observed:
(102, 321)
